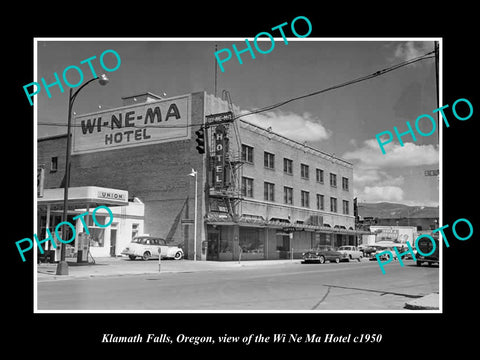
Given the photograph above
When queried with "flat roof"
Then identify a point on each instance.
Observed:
(83, 196)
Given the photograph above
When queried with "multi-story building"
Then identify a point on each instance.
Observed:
(259, 195)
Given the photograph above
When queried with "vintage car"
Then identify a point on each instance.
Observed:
(321, 255)
(351, 252)
(147, 247)
(431, 255)
(386, 250)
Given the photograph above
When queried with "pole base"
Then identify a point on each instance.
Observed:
(62, 268)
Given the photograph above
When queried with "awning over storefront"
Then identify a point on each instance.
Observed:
(226, 219)
(82, 197)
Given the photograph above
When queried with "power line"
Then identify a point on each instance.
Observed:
(274, 106)
(363, 78)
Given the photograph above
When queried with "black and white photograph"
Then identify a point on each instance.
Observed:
(241, 181)
(207, 184)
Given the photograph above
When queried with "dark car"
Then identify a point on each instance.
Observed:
(426, 247)
(321, 255)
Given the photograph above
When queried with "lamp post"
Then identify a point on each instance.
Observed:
(62, 267)
(194, 174)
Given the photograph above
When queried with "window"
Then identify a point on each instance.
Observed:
(288, 195)
(304, 171)
(269, 160)
(287, 166)
(54, 164)
(251, 242)
(247, 153)
(135, 228)
(345, 183)
(304, 199)
(320, 175)
(345, 207)
(333, 180)
(97, 234)
(320, 202)
(247, 187)
(268, 191)
(333, 204)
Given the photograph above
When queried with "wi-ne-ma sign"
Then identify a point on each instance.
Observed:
(134, 125)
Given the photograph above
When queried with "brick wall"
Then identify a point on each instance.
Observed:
(261, 141)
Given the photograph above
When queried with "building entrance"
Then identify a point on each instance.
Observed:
(212, 247)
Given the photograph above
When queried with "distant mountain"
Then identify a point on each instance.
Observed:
(385, 210)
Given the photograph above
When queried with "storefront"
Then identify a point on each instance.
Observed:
(101, 241)
(256, 239)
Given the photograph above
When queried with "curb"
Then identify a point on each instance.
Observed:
(44, 275)
(427, 302)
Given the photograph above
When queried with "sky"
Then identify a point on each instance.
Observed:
(342, 122)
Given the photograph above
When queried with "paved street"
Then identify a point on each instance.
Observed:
(295, 286)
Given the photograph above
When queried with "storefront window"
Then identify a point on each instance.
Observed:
(97, 234)
(250, 241)
(321, 240)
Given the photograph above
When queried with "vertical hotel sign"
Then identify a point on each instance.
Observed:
(219, 157)
(135, 125)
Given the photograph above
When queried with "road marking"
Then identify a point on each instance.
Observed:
(323, 298)
(383, 292)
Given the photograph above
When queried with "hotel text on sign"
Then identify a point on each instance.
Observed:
(143, 124)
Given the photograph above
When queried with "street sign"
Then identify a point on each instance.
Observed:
(289, 229)
(219, 118)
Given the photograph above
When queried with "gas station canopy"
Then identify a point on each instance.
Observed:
(82, 197)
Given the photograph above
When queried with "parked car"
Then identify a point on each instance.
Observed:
(147, 248)
(350, 252)
(367, 250)
(426, 247)
(383, 257)
(321, 255)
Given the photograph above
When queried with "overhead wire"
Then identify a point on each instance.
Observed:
(274, 106)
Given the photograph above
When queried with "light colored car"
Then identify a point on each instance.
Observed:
(350, 252)
(147, 248)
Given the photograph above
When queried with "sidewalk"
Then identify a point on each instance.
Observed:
(122, 266)
(428, 302)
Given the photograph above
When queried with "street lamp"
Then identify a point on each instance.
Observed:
(194, 174)
(62, 267)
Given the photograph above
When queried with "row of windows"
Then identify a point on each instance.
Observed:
(269, 195)
(269, 163)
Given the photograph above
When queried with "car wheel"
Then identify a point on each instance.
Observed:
(359, 258)
(337, 260)
(419, 263)
(132, 257)
(178, 255)
(321, 259)
(146, 255)
(350, 257)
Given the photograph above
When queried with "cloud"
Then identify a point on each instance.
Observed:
(370, 155)
(412, 49)
(373, 179)
(303, 127)
(382, 193)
